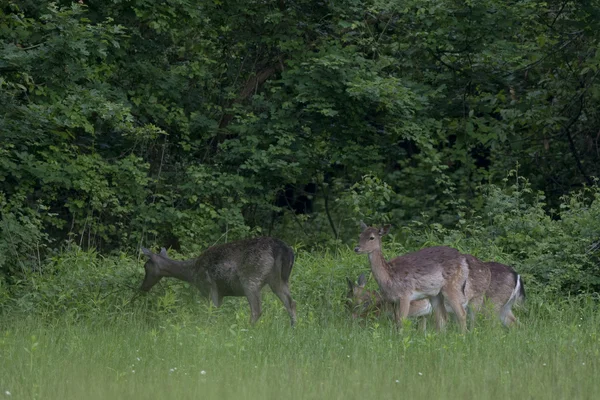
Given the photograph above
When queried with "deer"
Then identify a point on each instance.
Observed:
(362, 302)
(506, 289)
(478, 284)
(239, 268)
(435, 273)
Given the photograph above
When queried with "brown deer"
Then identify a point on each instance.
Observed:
(362, 302)
(434, 273)
(238, 268)
(477, 285)
(505, 290)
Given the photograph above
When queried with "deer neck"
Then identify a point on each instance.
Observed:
(381, 269)
(183, 270)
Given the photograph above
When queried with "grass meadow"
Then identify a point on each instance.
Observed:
(172, 344)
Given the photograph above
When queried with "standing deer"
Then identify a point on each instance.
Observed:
(435, 273)
(238, 268)
(506, 289)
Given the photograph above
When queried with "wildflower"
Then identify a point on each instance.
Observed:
(7, 393)
(171, 370)
(203, 372)
(397, 380)
(133, 371)
(420, 374)
(138, 358)
(544, 364)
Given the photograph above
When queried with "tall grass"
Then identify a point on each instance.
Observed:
(101, 344)
(553, 355)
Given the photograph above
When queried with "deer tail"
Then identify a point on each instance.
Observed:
(521, 296)
(518, 294)
(287, 262)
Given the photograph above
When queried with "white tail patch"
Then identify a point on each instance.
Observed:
(506, 311)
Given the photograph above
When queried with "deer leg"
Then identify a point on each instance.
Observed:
(401, 310)
(475, 305)
(253, 297)
(439, 311)
(423, 323)
(216, 297)
(508, 318)
(283, 292)
(456, 301)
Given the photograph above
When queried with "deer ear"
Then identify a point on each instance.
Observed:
(363, 226)
(163, 252)
(362, 280)
(146, 252)
(384, 230)
(350, 283)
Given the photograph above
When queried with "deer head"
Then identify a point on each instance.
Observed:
(370, 238)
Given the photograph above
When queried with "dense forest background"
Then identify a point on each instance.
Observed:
(185, 123)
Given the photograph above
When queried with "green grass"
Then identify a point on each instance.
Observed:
(158, 346)
(551, 357)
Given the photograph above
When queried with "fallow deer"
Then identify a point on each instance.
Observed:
(506, 289)
(240, 268)
(477, 285)
(362, 302)
(435, 273)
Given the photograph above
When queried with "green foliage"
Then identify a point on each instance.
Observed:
(187, 124)
(556, 253)
(555, 256)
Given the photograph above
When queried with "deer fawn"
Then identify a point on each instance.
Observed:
(362, 302)
(238, 268)
(435, 273)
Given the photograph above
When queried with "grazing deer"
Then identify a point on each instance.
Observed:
(362, 302)
(435, 273)
(505, 290)
(238, 268)
(477, 285)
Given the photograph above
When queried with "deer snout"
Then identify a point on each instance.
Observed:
(357, 249)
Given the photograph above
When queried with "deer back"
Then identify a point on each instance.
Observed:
(424, 272)
(247, 259)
